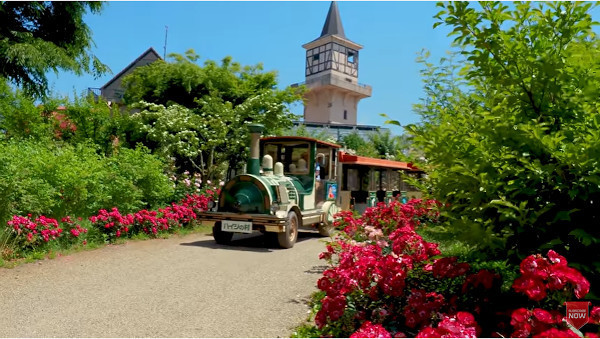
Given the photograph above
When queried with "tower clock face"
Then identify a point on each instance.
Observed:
(332, 56)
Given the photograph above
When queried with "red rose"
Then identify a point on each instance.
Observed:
(533, 287)
(543, 316)
(595, 315)
(370, 330)
(556, 333)
(324, 284)
(556, 258)
(465, 318)
(429, 332)
(520, 316)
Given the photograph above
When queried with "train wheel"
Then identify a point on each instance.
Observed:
(326, 227)
(288, 238)
(222, 238)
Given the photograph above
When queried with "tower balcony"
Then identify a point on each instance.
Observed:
(346, 84)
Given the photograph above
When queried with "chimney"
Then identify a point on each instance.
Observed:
(254, 161)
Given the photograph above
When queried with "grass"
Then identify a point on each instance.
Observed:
(8, 260)
(306, 330)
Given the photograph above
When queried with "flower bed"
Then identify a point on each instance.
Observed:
(385, 280)
(27, 233)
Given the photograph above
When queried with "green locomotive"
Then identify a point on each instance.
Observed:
(293, 188)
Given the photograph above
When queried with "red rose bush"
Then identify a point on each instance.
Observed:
(165, 220)
(385, 280)
(27, 233)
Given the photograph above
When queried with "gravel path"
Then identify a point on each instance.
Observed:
(178, 287)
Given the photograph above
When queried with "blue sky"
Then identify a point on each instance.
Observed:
(272, 32)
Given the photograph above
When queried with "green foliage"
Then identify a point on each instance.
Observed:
(19, 117)
(359, 145)
(87, 119)
(405, 151)
(386, 146)
(306, 331)
(46, 178)
(134, 180)
(173, 131)
(41, 36)
(83, 120)
(302, 131)
(511, 131)
(208, 108)
(381, 144)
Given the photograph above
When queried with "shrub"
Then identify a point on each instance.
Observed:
(387, 281)
(25, 234)
(191, 184)
(114, 225)
(73, 227)
(510, 130)
(88, 119)
(54, 179)
(19, 117)
(133, 179)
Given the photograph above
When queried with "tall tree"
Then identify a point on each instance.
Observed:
(303, 131)
(511, 129)
(385, 144)
(41, 36)
(355, 142)
(19, 116)
(212, 105)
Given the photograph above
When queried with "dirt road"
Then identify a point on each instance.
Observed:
(178, 287)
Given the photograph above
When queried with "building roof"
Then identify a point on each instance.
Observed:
(334, 125)
(296, 138)
(131, 65)
(333, 23)
(346, 158)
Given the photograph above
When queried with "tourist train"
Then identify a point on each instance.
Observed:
(297, 183)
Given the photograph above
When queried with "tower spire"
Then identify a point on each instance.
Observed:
(333, 23)
(332, 75)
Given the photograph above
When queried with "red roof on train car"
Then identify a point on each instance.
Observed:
(347, 158)
(292, 138)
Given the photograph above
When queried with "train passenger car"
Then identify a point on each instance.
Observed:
(365, 181)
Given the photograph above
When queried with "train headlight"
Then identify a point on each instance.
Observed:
(274, 208)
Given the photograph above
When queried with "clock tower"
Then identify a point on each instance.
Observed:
(332, 75)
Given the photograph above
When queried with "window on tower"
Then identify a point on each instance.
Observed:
(351, 57)
(316, 57)
(345, 115)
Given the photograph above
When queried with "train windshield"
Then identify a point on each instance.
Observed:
(295, 156)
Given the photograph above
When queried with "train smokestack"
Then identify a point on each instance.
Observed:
(254, 161)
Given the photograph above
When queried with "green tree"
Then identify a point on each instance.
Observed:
(302, 131)
(83, 120)
(406, 150)
(20, 116)
(359, 145)
(174, 132)
(90, 119)
(386, 145)
(213, 105)
(41, 36)
(511, 131)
